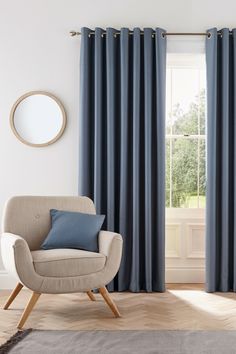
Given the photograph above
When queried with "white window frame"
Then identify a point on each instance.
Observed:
(185, 228)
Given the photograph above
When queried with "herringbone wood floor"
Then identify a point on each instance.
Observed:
(180, 307)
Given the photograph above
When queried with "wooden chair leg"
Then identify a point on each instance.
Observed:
(28, 309)
(91, 295)
(106, 296)
(13, 295)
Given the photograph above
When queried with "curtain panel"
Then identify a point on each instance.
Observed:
(221, 163)
(122, 146)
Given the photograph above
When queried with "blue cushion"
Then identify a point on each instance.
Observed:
(73, 230)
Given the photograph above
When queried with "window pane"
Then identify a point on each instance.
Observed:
(202, 173)
(186, 123)
(185, 89)
(168, 100)
(202, 102)
(185, 173)
(202, 89)
(167, 173)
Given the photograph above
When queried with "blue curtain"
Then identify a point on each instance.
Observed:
(221, 161)
(122, 145)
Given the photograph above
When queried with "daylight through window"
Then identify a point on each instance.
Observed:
(185, 131)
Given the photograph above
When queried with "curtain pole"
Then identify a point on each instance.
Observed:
(76, 33)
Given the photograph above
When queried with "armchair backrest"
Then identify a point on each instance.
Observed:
(29, 216)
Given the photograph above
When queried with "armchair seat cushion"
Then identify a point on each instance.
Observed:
(67, 262)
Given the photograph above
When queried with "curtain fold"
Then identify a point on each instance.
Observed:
(221, 163)
(122, 146)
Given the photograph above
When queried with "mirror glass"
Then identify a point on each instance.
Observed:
(38, 119)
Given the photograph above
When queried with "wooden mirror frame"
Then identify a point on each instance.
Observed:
(32, 93)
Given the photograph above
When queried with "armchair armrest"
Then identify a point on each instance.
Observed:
(9, 241)
(110, 244)
(11, 244)
(106, 239)
(17, 260)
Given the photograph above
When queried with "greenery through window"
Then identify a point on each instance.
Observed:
(185, 136)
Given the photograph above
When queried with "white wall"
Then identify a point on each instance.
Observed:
(36, 53)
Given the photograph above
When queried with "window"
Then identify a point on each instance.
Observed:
(185, 131)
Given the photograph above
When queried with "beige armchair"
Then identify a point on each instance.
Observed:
(26, 223)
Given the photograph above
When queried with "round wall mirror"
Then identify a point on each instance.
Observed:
(38, 118)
